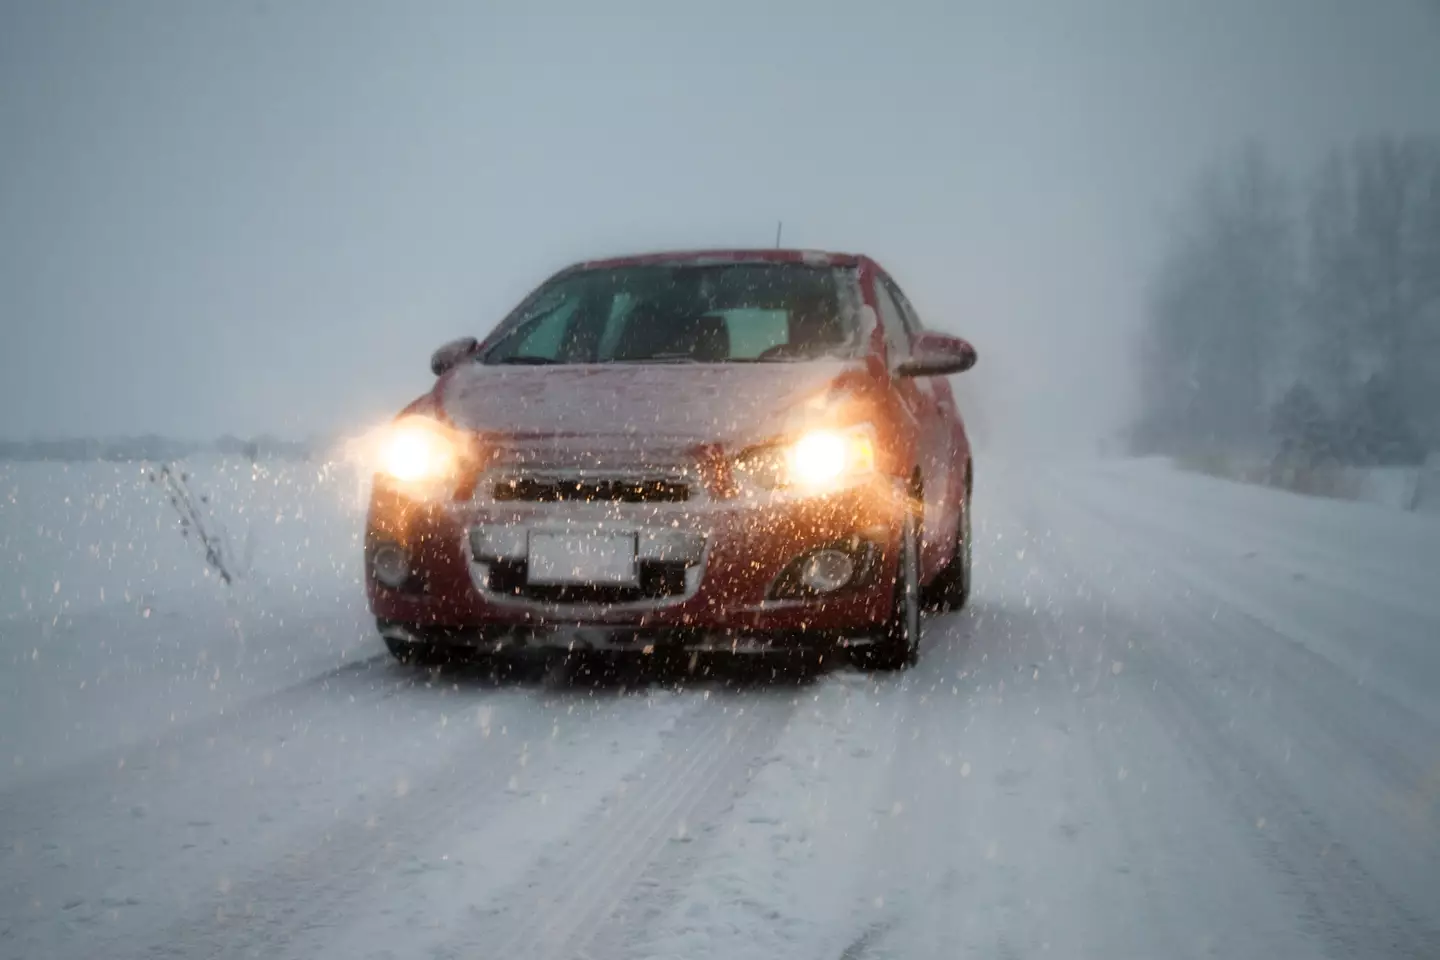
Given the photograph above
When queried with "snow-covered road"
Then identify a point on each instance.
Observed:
(1182, 718)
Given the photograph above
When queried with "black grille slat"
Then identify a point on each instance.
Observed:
(590, 490)
(659, 580)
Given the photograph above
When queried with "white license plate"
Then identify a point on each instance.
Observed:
(606, 559)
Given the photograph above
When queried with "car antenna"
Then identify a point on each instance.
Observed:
(779, 225)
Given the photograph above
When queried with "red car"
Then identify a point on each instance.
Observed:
(720, 450)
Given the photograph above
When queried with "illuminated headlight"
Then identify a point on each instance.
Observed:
(823, 458)
(419, 451)
(818, 461)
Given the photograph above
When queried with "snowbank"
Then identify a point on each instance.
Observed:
(77, 536)
(113, 626)
(1399, 488)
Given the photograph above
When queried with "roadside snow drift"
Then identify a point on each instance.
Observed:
(113, 626)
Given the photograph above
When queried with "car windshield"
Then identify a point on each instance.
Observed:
(682, 313)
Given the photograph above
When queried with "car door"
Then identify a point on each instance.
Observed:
(943, 480)
(946, 465)
(916, 399)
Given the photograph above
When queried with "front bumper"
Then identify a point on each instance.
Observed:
(709, 569)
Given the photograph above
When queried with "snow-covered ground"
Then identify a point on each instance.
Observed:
(114, 629)
(1182, 718)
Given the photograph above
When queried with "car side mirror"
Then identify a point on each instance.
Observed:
(937, 355)
(452, 354)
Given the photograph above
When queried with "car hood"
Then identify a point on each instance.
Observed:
(624, 403)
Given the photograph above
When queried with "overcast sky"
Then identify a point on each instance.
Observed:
(262, 216)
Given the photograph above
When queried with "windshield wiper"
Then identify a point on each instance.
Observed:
(662, 358)
(527, 360)
(799, 357)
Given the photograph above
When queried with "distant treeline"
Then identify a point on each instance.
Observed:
(1297, 319)
(160, 449)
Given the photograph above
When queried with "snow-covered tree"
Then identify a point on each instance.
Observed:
(1232, 324)
(1218, 313)
(1371, 303)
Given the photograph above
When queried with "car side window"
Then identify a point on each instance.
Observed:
(907, 310)
(897, 338)
(541, 336)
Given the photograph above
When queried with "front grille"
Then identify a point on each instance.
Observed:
(659, 580)
(541, 489)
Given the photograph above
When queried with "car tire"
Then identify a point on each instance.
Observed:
(951, 589)
(414, 654)
(899, 645)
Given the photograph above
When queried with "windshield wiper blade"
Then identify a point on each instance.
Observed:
(527, 360)
(663, 358)
(798, 357)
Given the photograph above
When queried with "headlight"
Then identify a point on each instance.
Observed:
(819, 461)
(418, 450)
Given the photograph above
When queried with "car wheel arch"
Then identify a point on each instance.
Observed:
(916, 491)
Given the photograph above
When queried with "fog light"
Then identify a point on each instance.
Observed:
(391, 565)
(827, 570)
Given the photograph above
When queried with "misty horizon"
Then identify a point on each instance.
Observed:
(261, 219)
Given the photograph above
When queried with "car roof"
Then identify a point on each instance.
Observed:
(757, 255)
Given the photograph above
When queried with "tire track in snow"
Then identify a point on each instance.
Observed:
(781, 871)
(143, 754)
(71, 808)
(1340, 900)
(297, 903)
(564, 908)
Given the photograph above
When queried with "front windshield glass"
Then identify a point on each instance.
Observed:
(682, 313)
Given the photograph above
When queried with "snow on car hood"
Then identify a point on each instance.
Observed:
(711, 403)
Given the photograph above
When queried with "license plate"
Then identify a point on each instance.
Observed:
(606, 559)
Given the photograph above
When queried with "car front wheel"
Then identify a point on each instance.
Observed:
(899, 645)
(951, 589)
